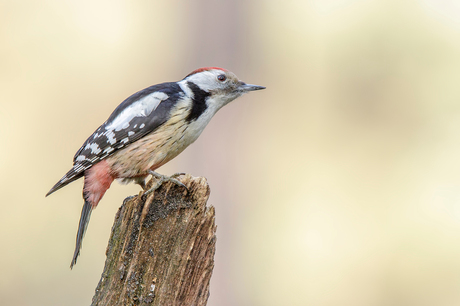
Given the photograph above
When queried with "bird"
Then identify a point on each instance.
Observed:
(146, 131)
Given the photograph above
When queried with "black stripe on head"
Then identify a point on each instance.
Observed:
(199, 105)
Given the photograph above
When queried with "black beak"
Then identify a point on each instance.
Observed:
(250, 87)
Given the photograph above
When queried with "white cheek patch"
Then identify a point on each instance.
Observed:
(206, 80)
(141, 108)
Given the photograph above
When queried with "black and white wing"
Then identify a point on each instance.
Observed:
(134, 118)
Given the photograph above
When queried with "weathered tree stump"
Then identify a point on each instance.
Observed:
(161, 250)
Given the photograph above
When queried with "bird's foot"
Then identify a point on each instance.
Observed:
(164, 178)
(128, 198)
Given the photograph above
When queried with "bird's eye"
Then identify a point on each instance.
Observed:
(221, 77)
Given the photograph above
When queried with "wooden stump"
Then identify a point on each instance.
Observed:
(161, 250)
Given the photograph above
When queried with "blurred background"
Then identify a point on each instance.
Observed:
(337, 185)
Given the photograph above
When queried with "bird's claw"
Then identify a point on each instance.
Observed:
(163, 178)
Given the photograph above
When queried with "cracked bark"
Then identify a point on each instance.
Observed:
(161, 250)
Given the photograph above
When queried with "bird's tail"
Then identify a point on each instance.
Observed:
(77, 171)
(84, 220)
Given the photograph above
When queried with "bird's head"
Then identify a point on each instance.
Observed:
(221, 85)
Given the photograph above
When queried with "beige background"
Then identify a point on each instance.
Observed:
(337, 185)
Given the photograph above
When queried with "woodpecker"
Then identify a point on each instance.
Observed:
(147, 130)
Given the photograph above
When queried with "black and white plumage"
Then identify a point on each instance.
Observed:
(147, 130)
(134, 118)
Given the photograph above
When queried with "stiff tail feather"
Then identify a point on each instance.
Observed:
(65, 180)
(84, 220)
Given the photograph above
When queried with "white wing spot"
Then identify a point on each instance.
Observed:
(142, 126)
(125, 140)
(81, 158)
(111, 137)
(130, 133)
(94, 148)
